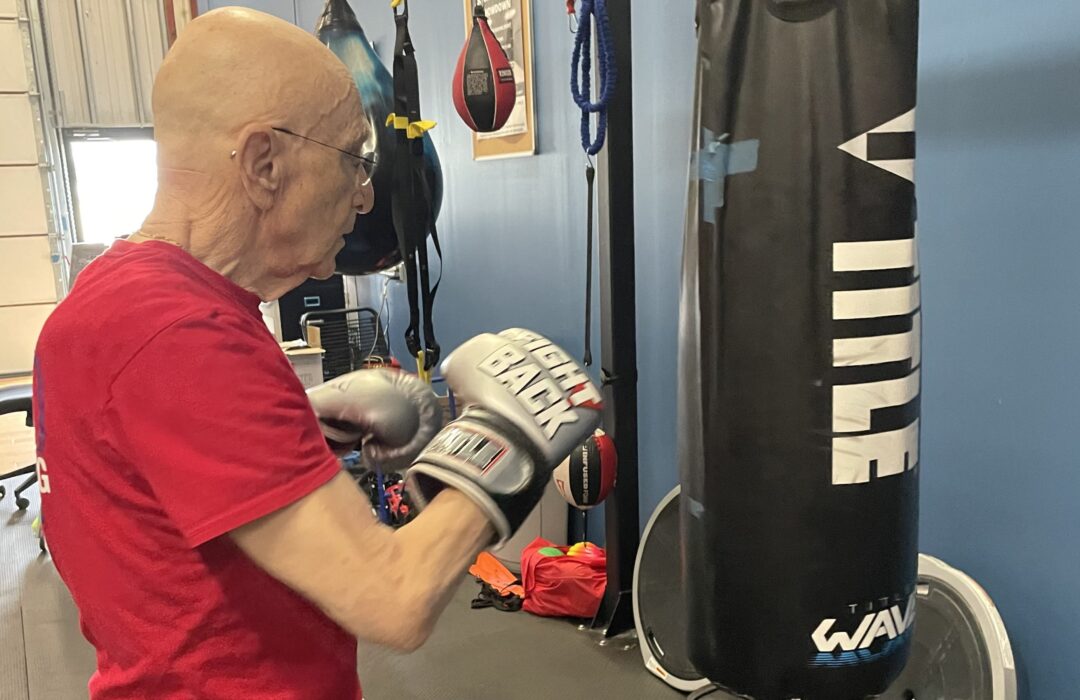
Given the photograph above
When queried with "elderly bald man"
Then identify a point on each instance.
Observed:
(211, 542)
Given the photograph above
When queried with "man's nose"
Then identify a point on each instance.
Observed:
(363, 196)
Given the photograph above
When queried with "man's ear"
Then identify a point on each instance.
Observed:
(259, 155)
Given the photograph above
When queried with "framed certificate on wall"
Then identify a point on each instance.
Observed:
(511, 23)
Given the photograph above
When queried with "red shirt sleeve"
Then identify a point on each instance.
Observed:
(211, 414)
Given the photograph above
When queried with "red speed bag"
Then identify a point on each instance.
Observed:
(484, 85)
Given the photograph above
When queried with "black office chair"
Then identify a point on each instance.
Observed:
(19, 399)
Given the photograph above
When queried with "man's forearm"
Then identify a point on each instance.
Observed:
(385, 586)
(439, 546)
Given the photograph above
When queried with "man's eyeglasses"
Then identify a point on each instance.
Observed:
(368, 160)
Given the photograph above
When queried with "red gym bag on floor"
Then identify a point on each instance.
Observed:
(566, 586)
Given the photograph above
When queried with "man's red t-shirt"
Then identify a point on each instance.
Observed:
(166, 416)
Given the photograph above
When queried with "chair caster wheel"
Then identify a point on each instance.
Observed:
(41, 544)
(3, 491)
(22, 503)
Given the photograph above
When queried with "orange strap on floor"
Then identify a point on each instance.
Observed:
(491, 571)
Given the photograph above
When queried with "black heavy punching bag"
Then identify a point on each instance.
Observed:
(799, 348)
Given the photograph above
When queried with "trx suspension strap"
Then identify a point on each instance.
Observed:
(413, 211)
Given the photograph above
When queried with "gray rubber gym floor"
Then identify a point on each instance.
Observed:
(473, 654)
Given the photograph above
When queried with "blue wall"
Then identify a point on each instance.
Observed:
(999, 206)
(999, 184)
(664, 56)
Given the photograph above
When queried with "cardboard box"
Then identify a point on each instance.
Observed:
(308, 363)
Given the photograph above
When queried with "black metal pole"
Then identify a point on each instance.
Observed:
(618, 322)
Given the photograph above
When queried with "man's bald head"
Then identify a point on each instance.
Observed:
(233, 67)
(256, 123)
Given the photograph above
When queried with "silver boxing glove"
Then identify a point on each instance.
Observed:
(528, 404)
(391, 412)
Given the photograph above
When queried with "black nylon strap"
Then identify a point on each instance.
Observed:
(413, 209)
(429, 291)
(490, 597)
(590, 178)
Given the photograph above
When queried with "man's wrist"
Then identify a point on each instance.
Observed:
(472, 517)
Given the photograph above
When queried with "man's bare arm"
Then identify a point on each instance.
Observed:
(384, 586)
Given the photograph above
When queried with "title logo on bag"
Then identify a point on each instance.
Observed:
(890, 146)
(877, 634)
(877, 330)
(543, 378)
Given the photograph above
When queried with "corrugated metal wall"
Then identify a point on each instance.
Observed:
(103, 56)
(63, 64)
(28, 291)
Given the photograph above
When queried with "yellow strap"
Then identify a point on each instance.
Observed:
(414, 130)
(394, 3)
(418, 129)
(424, 374)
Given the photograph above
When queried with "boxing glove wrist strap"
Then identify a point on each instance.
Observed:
(490, 461)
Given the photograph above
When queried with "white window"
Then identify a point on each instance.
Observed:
(113, 178)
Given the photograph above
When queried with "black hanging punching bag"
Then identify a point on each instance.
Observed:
(799, 348)
(373, 245)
